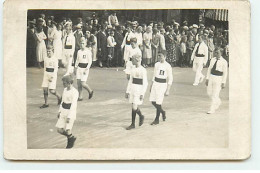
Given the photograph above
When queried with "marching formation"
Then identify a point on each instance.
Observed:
(135, 48)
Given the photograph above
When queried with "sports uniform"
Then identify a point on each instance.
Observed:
(136, 88)
(137, 85)
(68, 51)
(200, 57)
(129, 64)
(126, 44)
(50, 72)
(216, 76)
(68, 108)
(162, 71)
(83, 64)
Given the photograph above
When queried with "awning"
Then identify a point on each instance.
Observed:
(220, 15)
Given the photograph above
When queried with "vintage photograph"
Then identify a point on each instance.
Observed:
(127, 78)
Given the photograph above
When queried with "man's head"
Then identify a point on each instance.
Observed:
(50, 51)
(162, 31)
(149, 29)
(161, 56)
(218, 52)
(68, 27)
(111, 33)
(201, 38)
(49, 22)
(42, 16)
(133, 42)
(155, 31)
(136, 59)
(82, 43)
(67, 80)
(139, 29)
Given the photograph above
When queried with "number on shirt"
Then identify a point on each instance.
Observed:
(84, 56)
(161, 72)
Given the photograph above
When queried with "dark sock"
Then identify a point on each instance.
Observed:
(69, 136)
(157, 114)
(133, 116)
(45, 97)
(160, 108)
(154, 104)
(139, 112)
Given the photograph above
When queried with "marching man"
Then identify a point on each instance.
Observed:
(82, 66)
(134, 50)
(68, 48)
(199, 57)
(161, 85)
(136, 89)
(50, 76)
(216, 79)
(68, 110)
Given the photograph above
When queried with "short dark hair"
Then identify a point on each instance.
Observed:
(133, 40)
(68, 79)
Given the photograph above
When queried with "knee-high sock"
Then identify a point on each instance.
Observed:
(45, 94)
(133, 116)
(154, 104)
(138, 111)
(159, 107)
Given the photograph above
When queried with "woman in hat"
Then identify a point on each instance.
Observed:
(155, 45)
(57, 43)
(170, 47)
(40, 47)
(147, 52)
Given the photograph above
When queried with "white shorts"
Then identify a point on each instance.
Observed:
(157, 92)
(80, 74)
(47, 84)
(135, 99)
(67, 56)
(128, 67)
(62, 123)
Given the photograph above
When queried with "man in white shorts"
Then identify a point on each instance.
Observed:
(50, 76)
(68, 48)
(68, 110)
(160, 86)
(136, 89)
(216, 79)
(82, 66)
(200, 58)
(134, 50)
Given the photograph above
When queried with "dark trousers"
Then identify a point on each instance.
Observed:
(31, 57)
(118, 60)
(75, 55)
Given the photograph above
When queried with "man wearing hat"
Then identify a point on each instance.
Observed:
(211, 46)
(102, 45)
(119, 40)
(68, 48)
(199, 57)
(77, 34)
(112, 19)
(30, 44)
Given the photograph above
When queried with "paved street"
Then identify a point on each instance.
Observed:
(101, 121)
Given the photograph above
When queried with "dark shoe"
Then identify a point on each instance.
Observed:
(130, 127)
(44, 106)
(59, 100)
(80, 99)
(155, 122)
(141, 120)
(164, 115)
(71, 142)
(90, 95)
